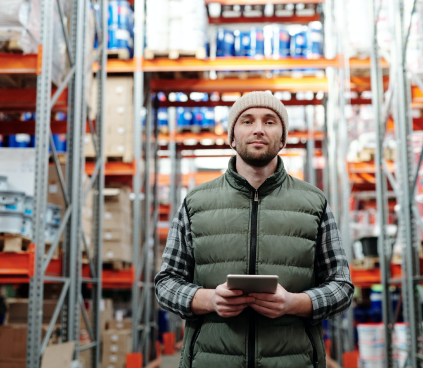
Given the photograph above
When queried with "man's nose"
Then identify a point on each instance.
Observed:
(258, 130)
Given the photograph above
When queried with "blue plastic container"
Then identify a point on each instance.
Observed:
(162, 117)
(315, 43)
(225, 43)
(242, 45)
(19, 141)
(118, 38)
(183, 117)
(198, 116)
(59, 143)
(257, 42)
(284, 44)
(299, 45)
(120, 25)
(209, 117)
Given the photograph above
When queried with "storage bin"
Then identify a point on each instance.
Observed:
(12, 201)
(53, 214)
(11, 222)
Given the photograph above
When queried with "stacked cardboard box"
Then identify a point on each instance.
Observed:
(116, 344)
(118, 140)
(13, 335)
(117, 224)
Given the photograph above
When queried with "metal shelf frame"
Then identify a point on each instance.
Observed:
(70, 303)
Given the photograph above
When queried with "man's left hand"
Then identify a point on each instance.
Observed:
(273, 305)
(282, 302)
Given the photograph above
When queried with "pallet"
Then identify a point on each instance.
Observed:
(13, 243)
(174, 54)
(116, 265)
(122, 54)
(367, 263)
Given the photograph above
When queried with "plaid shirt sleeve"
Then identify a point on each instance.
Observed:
(334, 294)
(174, 287)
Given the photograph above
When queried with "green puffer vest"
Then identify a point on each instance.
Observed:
(234, 234)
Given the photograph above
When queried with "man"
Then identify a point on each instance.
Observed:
(255, 219)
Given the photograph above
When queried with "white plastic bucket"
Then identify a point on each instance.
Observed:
(371, 350)
(53, 214)
(370, 332)
(12, 201)
(400, 330)
(11, 222)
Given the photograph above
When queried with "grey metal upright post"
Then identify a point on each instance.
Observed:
(147, 236)
(332, 132)
(403, 130)
(98, 200)
(382, 209)
(139, 6)
(42, 130)
(344, 81)
(73, 317)
(311, 172)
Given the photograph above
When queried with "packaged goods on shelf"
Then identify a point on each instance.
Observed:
(118, 125)
(125, 324)
(120, 27)
(117, 243)
(176, 25)
(116, 344)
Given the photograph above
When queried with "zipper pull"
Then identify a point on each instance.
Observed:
(256, 196)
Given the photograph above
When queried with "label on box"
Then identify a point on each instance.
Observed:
(107, 236)
(119, 90)
(114, 337)
(121, 148)
(113, 358)
(52, 188)
(114, 348)
(107, 215)
(120, 110)
(109, 254)
(121, 130)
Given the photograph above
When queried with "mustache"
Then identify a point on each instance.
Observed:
(257, 140)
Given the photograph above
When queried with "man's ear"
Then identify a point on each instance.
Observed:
(233, 144)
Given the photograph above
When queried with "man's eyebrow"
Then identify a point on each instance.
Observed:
(271, 116)
(246, 116)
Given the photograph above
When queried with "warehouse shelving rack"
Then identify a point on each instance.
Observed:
(34, 266)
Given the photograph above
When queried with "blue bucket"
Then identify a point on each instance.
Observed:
(225, 43)
(59, 143)
(315, 43)
(299, 45)
(284, 44)
(118, 38)
(119, 14)
(242, 45)
(162, 117)
(209, 117)
(183, 117)
(257, 42)
(19, 141)
(198, 116)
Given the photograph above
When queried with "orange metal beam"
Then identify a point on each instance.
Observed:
(263, 2)
(296, 19)
(24, 100)
(241, 85)
(112, 168)
(28, 127)
(19, 63)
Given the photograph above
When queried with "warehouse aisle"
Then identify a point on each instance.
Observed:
(171, 361)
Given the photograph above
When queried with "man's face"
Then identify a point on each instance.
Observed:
(258, 136)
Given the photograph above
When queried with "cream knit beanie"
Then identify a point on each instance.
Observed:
(257, 99)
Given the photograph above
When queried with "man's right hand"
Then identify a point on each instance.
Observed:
(225, 302)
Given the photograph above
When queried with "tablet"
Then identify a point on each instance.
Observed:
(253, 283)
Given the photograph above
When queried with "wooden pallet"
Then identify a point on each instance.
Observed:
(116, 265)
(367, 263)
(149, 54)
(13, 243)
(122, 54)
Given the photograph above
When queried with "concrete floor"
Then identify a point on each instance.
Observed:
(171, 361)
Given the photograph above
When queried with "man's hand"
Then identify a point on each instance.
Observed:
(229, 303)
(225, 302)
(281, 303)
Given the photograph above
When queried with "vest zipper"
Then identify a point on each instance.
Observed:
(194, 339)
(313, 345)
(252, 271)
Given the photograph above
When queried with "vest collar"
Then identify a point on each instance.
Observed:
(238, 182)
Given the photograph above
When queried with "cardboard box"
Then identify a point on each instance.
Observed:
(117, 251)
(116, 344)
(18, 311)
(13, 345)
(125, 324)
(117, 219)
(117, 199)
(54, 191)
(106, 309)
(60, 355)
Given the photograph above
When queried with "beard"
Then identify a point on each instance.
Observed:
(257, 158)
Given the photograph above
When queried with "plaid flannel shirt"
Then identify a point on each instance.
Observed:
(332, 296)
